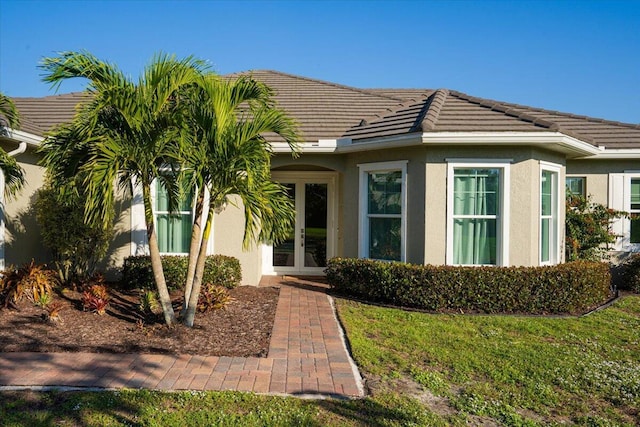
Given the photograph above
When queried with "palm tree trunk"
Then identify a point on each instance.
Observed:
(156, 262)
(196, 236)
(197, 279)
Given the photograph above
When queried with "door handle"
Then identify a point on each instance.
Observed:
(302, 237)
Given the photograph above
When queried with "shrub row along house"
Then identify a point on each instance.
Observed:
(416, 175)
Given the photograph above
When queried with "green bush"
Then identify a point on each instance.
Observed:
(631, 274)
(219, 270)
(565, 288)
(76, 246)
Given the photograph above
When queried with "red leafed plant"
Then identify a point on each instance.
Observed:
(96, 298)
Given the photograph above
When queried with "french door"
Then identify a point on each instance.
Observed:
(311, 242)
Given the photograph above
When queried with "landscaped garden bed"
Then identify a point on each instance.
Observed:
(242, 328)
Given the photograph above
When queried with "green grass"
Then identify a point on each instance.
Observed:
(425, 370)
(513, 370)
(147, 408)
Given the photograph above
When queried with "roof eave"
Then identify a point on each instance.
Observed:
(612, 154)
(21, 136)
(556, 141)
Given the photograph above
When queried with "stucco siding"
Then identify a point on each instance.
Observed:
(22, 233)
(597, 175)
(227, 234)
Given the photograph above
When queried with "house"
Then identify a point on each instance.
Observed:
(417, 175)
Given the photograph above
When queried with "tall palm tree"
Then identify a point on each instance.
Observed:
(13, 173)
(226, 153)
(126, 134)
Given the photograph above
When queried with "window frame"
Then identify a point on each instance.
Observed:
(554, 248)
(584, 184)
(620, 199)
(363, 218)
(502, 218)
(156, 212)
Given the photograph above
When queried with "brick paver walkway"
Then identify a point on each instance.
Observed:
(307, 356)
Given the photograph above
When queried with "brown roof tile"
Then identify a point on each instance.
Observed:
(328, 110)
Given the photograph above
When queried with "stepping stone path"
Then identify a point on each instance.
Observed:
(307, 357)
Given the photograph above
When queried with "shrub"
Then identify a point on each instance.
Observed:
(53, 312)
(588, 228)
(219, 269)
(149, 303)
(213, 297)
(76, 246)
(96, 298)
(32, 280)
(565, 288)
(631, 274)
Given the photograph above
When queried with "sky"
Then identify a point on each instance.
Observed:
(581, 57)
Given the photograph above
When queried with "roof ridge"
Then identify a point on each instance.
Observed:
(328, 83)
(389, 111)
(503, 108)
(436, 102)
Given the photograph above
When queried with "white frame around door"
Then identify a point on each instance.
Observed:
(300, 178)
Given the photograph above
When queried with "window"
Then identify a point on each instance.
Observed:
(383, 210)
(624, 195)
(173, 230)
(634, 210)
(549, 226)
(477, 202)
(576, 185)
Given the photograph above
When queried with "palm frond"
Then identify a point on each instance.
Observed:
(13, 174)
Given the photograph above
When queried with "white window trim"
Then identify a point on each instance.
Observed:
(363, 229)
(620, 199)
(584, 182)
(554, 254)
(139, 242)
(502, 249)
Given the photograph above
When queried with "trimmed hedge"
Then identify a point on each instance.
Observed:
(631, 275)
(565, 288)
(219, 270)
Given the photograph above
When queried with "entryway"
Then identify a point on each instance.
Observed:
(312, 241)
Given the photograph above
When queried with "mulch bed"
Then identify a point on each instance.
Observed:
(241, 329)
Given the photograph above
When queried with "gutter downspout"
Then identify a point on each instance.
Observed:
(22, 147)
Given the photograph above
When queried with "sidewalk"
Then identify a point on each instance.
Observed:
(307, 357)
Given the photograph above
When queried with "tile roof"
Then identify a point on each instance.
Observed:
(328, 110)
(39, 115)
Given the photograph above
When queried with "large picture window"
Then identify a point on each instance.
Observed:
(477, 214)
(382, 211)
(173, 230)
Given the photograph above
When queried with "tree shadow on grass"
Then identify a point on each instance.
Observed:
(53, 408)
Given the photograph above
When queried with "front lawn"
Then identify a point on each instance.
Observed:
(512, 370)
(423, 369)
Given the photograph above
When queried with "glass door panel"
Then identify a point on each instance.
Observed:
(284, 253)
(315, 225)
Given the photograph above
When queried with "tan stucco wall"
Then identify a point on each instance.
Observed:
(120, 245)
(597, 174)
(228, 231)
(22, 233)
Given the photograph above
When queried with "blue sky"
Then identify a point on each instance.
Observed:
(575, 56)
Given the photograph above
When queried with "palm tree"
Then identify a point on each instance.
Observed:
(226, 153)
(126, 134)
(13, 173)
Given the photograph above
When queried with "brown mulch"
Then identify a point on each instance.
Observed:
(241, 329)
